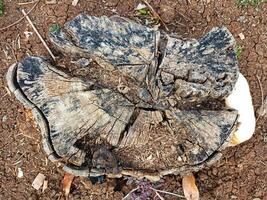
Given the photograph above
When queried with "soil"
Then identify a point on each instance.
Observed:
(240, 174)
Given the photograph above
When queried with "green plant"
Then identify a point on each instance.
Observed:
(143, 12)
(1, 7)
(250, 2)
(238, 51)
(54, 28)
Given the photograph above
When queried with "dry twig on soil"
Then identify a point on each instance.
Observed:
(262, 95)
(19, 20)
(26, 3)
(38, 34)
(165, 192)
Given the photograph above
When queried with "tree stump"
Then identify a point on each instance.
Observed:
(133, 101)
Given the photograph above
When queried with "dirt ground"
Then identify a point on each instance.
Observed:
(240, 174)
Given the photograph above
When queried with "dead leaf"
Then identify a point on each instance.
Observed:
(67, 181)
(189, 187)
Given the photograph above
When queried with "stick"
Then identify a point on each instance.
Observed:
(26, 3)
(262, 98)
(133, 190)
(18, 21)
(159, 196)
(165, 192)
(40, 37)
(156, 14)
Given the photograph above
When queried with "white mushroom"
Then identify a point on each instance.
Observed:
(240, 100)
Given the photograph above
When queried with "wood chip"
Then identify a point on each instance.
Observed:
(8, 91)
(67, 181)
(45, 185)
(242, 36)
(75, 2)
(38, 181)
(26, 3)
(20, 173)
(51, 2)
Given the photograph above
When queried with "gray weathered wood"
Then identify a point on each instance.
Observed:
(148, 106)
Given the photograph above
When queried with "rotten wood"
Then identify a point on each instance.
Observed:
(146, 100)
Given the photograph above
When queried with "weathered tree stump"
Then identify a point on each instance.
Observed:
(146, 104)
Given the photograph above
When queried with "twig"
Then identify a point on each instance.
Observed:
(18, 21)
(156, 14)
(262, 163)
(262, 100)
(18, 160)
(38, 34)
(165, 192)
(133, 190)
(8, 91)
(159, 196)
(26, 3)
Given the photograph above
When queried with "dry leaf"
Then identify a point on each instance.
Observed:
(189, 186)
(67, 181)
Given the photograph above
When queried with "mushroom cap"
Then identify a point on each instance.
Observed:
(148, 104)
